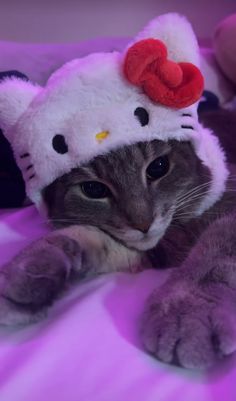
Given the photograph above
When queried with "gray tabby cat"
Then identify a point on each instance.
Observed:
(127, 209)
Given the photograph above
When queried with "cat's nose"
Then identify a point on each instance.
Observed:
(142, 226)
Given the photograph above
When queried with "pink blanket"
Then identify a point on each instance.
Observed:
(87, 349)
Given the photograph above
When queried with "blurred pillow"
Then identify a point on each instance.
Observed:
(38, 61)
(225, 46)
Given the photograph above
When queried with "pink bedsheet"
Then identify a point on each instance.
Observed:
(87, 349)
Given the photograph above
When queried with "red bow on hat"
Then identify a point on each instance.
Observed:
(172, 84)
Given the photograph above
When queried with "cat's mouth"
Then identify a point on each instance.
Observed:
(142, 242)
(147, 242)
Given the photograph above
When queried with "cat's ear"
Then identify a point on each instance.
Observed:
(177, 34)
(15, 97)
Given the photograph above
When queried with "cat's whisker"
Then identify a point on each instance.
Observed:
(181, 205)
(195, 195)
(187, 195)
(189, 200)
(192, 191)
(198, 186)
(230, 176)
(178, 215)
(196, 192)
(188, 204)
(189, 214)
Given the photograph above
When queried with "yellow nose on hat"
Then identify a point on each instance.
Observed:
(102, 135)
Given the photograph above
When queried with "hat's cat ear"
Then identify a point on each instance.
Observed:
(15, 97)
(177, 34)
(163, 61)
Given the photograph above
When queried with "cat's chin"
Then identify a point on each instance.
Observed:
(138, 241)
(144, 244)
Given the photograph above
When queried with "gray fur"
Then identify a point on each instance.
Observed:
(121, 216)
(190, 320)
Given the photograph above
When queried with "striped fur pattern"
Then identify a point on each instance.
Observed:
(135, 202)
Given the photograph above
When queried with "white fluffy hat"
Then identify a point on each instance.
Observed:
(89, 107)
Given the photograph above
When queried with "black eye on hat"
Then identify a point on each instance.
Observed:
(142, 115)
(59, 144)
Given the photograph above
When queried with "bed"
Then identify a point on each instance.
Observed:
(87, 348)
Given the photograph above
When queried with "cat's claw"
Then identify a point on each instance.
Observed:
(192, 329)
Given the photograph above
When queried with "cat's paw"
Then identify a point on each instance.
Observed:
(35, 278)
(192, 329)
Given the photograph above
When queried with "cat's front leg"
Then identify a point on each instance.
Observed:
(39, 274)
(191, 320)
(188, 326)
(35, 277)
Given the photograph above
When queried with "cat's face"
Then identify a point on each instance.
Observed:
(133, 193)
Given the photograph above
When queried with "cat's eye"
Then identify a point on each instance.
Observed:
(95, 190)
(158, 168)
(142, 116)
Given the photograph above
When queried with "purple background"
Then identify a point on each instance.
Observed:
(74, 20)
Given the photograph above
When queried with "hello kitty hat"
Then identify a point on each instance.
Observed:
(107, 100)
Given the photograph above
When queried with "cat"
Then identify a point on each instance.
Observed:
(112, 150)
(126, 210)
